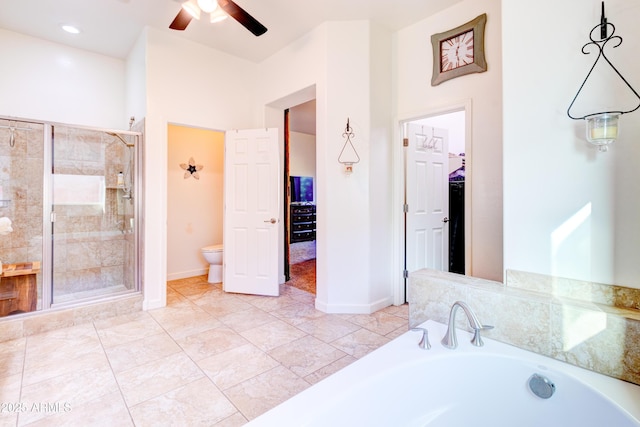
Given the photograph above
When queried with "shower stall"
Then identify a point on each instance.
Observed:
(69, 202)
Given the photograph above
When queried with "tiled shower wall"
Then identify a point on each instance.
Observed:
(21, 179)
(93, 244)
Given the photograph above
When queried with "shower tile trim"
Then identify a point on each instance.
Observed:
(35, 323)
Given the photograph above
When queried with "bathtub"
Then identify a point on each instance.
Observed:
(402, 385)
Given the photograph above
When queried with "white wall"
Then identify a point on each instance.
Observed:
(194, 206)
(136, 79)
(47, 81)
(345, 217)
(302, 155)
(194, 85)
(417, 98)
(570, 211)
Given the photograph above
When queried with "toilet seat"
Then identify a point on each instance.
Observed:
(212, 248)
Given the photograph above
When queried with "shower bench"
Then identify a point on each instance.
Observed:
(18, 293)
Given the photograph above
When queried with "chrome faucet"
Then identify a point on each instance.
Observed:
(450, 340)
(424, 340)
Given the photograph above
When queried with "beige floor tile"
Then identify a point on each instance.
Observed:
(184, 320)
(10, 388)
(211, 296)
(12, 358)
(132, 354)
(331, 368)
(306, 355)
(156, 378)
(298, 313)
(194, 290)
(220, 307)
(328, 328)
(121, 319)
(261, 393)
(380, 322)
(236, 365)
(12, 346)
(59, 365)
(304, 297)
(398, 310)
(130, 331)
(72, 389)
(75, 338)
(210, 342)
(360, 343)
(272, 303)
(108, 410)
(8, 419)
(235, 420)
(395, 334)
(246, 319)
(174, 297)
(208, 358)
(272, 335)
(199, 403)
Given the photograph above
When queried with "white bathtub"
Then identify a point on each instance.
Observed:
(402, 385)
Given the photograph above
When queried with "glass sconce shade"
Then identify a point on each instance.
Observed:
(207, 6)
(602, 129)
(191, 7)
(218, 15)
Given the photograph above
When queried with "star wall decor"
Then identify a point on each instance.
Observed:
(191, 169)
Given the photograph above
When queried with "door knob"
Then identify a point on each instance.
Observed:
(445, 219)
(272, 220)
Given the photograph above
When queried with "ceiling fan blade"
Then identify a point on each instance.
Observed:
(181, 20)
(240, 15)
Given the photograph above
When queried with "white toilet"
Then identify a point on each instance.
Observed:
(213, 255)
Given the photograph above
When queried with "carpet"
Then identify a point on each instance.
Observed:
(302, 251)
(303, 275)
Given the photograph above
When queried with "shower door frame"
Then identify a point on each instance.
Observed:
(48, 214)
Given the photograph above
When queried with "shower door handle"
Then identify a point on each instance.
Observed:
(272, 220)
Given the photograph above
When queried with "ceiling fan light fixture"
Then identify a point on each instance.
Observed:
(192, 8)
(208, 6)
(218, 16)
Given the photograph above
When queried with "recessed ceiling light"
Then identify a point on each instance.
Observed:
(70, 29)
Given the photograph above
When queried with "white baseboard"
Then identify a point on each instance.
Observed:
(185, 274)
(354, 308)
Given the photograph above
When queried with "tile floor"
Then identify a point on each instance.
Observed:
(208, 358)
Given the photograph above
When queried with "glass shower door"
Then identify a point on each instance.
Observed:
(21, 216)
(93, 227)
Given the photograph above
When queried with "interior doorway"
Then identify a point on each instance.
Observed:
(435, 177)
(300, 201)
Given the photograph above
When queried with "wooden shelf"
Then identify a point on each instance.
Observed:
(18, 293)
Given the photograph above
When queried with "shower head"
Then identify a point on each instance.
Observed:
(121, 139)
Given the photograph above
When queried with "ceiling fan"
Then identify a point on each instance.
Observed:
(191, 9)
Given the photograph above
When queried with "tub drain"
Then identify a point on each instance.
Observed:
(541, 386)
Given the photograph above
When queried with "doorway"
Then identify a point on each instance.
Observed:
(195, 180)
(435, 176)
(300, 203)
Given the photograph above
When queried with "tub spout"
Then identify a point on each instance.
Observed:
(450, 340)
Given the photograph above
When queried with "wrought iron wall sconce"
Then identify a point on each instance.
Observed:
(348, 156)
(602, 128)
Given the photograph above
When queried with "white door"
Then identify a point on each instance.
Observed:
(427, 198)
(251, 207)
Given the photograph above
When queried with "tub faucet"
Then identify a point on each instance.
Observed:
(450, 340)
(424, 340)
